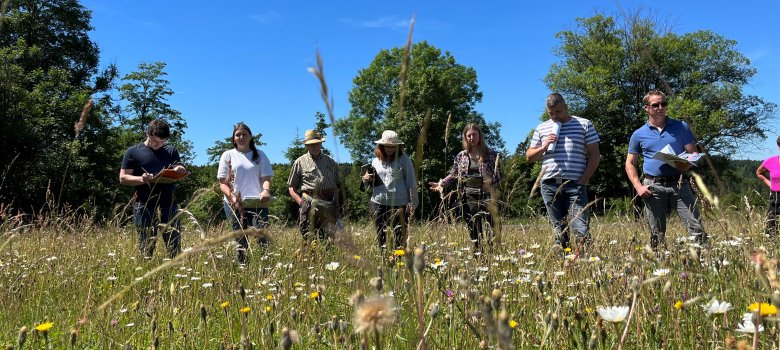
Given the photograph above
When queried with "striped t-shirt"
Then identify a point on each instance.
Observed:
(570, 156)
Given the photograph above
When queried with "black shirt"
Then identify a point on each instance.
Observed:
(142, 159)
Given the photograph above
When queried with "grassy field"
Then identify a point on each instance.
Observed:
(68, 284)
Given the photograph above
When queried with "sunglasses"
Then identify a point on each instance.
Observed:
(659, 105)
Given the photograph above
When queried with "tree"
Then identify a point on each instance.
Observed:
(146, 92)
(47, 75)
(607, 66)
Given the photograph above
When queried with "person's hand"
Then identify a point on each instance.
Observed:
(583, 180)
(367, 177)
(179, 169)
(265, 196)
(147, 177)
(643, 191)
(409, 209)
(434, 186)
(552, 138)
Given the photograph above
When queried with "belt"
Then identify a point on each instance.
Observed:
(666, 179)
(556, 180)
(327, 195)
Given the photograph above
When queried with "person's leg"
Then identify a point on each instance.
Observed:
(259, 220)
(656, 206)
(579, 215)
(380, 223)
(770, 227)
(171, 233)
(557, 207)
(143, 220)
(689, 213)
(470, 209)
(399, 226)
(304, 220)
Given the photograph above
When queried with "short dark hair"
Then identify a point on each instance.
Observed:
(778, 141)
(159, 128)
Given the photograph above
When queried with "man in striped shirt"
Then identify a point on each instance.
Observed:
(317, 176)
(569, 149)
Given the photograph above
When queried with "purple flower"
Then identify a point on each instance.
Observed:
(450, 294)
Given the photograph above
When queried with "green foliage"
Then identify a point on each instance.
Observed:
(220, 146)
(297, 148)
(47, 64)
(146, 93)
(607, 66)
(436, 84)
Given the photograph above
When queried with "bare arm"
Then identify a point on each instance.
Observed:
(632, 161)
(126, 177)
(535, 153)
(761, 173)
(294, 195)
(265, 181)
(594, 158)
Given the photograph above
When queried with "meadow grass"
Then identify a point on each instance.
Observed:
(522, 294)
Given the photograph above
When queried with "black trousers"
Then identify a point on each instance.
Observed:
(395, 216)
(771, 214)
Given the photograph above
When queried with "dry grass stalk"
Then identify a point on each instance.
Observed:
(405, 68)
(84, 115)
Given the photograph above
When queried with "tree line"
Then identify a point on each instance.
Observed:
(49, 71)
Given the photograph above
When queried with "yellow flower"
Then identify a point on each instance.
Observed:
(267, 309)
(314, 295)
(269, 297)
(356, 257)
(766, 308)
(44, 327)
(678, 305)
(245, 310)
(401, 264)
(588, 310)
(512, 323)
(298, 284)
(568, 250)
(399, 252)
(224, 304)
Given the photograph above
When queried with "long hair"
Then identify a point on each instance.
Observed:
(255, 154)
(483, 149)
(382, 155)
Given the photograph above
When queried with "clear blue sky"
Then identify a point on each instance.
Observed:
(247, 60)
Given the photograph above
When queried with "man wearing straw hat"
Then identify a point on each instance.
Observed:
(662, 186)
(569, 147)
(316, 176)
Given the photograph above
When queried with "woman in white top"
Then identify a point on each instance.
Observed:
(394, 194)
(245, 179)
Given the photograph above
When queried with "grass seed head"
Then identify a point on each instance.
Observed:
(374, 315)
(21, 338)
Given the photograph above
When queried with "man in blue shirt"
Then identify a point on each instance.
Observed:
(662, 185)
(569, 149)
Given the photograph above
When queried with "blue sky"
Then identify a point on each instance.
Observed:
(247, 60)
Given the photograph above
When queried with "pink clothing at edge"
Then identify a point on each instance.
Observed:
(773, 165)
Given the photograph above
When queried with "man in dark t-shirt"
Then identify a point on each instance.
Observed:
(139, 165)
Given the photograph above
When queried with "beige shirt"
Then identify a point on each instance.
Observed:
(314, 174)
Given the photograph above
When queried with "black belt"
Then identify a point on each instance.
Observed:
(556, 180)
(665, 180)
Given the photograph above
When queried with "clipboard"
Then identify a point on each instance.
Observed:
(169, 176)
(368, 168)
(255, 202)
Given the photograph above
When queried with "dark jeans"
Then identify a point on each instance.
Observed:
(668, 195)
(393, 215)
(253, 217)
(771, 214)
(565, 204)
(317, 218)
(476, 214)
(148, 224)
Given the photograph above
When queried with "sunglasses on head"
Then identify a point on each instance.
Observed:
(658, 105)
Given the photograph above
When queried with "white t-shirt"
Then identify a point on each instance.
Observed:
(247, 172)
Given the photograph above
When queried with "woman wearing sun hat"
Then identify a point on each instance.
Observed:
(394, 194)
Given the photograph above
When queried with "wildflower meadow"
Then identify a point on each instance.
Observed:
(70, 284)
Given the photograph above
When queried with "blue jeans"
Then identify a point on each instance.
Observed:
(253, 217)
(665, 196)
(565, 204)
(148, 225)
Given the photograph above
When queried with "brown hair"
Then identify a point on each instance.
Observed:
(382, 155)
(241, 125)
(646, 99)
(483, 150)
